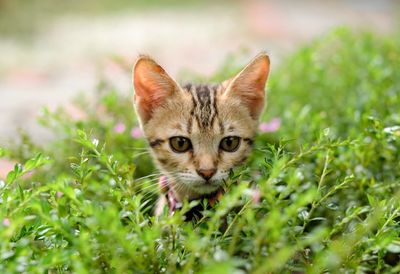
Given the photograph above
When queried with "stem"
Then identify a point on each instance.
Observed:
(315, 204)
(392, 216)
(236, 217)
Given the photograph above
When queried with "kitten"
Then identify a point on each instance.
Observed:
(198, 133)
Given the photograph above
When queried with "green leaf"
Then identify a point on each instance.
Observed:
(11, 176)
(393, 247)
(38, 161)
(21, 192)
(15, 173)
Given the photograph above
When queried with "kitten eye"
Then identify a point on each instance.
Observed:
(230, 143)
(180, 144)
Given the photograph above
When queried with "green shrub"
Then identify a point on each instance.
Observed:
(328, 181)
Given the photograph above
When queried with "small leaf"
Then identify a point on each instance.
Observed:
(38, 161)
(30, 164)
(81, 134)
(371, 200)
(318, 219)
(18, 169)
(332, 206)
(393, 247)
(21, 192)
(11, 176)
(394, 130)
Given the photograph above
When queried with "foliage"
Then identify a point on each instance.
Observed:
(328, 181)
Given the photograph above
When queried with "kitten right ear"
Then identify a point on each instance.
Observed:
(152, 86)
(248, 85)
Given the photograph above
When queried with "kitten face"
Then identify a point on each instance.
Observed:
(198, 133)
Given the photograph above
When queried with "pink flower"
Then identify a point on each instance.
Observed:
(256, 196)
(136, 133)
(270, 126)
(6, 222)
(59, 194)
(119, 128)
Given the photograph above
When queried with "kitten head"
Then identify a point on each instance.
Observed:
(198, 133)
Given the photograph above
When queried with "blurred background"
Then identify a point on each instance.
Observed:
(53, 50)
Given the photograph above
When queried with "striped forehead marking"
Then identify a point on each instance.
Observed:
(204, 110)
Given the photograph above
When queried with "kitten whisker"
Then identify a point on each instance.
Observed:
(149, 186)
(152, 180)
(140, 154)
(135, 148)
(147, 176)
(147, 183)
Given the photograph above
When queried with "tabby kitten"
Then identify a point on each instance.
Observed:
(198, 133)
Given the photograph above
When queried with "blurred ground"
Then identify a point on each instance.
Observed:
(71, 54)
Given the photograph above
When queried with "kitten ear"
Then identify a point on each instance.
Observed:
(152, 86)
(248, 85)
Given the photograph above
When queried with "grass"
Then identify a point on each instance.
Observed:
(328, 181)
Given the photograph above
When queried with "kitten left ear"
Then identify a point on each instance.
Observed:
(152, 87)
(248, 85)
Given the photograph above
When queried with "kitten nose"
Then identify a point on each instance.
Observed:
(206, 173)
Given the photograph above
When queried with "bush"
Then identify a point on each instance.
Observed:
(328, 181)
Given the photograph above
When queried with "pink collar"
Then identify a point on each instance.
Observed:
(174, 203)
